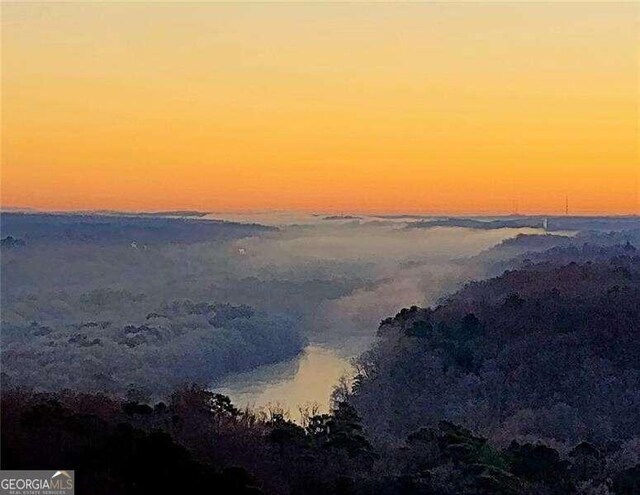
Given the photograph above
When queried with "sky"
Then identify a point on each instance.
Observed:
(443, 108)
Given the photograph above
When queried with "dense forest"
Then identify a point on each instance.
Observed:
(525, 383)
(199, 441)
(109, 354)
(549, 350)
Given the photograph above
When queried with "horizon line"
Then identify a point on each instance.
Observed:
(396, 214)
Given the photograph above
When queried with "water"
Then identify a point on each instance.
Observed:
(307, 379)
(395, 267)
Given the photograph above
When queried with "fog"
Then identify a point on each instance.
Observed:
(385, 265)
(98, 315)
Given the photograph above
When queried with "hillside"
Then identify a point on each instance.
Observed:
(549, 351)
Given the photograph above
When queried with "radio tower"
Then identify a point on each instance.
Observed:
(566, 204)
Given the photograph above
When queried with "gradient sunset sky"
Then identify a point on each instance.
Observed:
(431, 108)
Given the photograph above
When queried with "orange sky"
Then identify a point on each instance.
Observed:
(433, 108)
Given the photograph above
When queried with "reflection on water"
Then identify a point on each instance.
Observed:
(308, 378)
(379, 269)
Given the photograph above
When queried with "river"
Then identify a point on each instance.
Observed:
(307, 379)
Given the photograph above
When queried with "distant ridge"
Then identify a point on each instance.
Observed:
(92, 228)
(167, 213)
(552, 223)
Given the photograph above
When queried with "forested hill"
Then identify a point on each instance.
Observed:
(534, 248)
(549, 351)
(47, 228)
